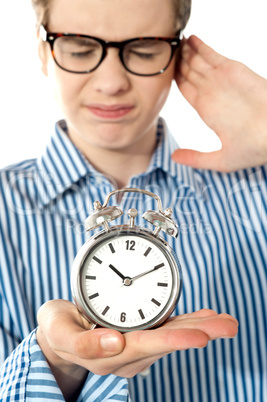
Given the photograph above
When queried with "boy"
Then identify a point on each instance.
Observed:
(112, 137)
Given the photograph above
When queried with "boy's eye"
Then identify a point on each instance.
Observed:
(77, 47)
(82, 53)
(146, 49)
(143, 55)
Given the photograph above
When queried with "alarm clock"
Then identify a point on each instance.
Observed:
(127, 277)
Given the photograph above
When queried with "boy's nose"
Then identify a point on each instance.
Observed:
(111, 77)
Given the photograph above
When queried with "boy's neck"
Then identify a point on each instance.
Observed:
(119, 165)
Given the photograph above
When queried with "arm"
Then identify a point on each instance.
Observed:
(232, 100)
(26, 375)
(70, 347)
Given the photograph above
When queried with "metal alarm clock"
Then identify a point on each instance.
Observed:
(127, 277)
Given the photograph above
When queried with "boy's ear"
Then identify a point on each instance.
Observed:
(43, 54)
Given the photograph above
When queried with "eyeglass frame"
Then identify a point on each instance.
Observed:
(50, 38)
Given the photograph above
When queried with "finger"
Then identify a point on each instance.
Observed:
(214, 325)
(165, 340)
(194, 71)
(203, 316)
(194, 60)
(192, 331)
(208, 54)
(200, 160)
(188, 90)
(189, 74)
(203, 313)
(222, 326)
(67, 334)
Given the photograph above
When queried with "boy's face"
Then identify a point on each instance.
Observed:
(110, 108)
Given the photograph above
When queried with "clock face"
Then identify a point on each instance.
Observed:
(128, 281)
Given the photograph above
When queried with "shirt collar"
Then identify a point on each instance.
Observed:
(162, 159)
(166, 145)
(62, 164)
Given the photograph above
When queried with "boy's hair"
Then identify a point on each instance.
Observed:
(41, 9)
(182, 10)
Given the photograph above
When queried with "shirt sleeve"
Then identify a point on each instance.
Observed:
(25, 375)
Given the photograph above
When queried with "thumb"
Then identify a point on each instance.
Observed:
(68, 335)
(199, 160)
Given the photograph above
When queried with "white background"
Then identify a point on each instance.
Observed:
(235, 28)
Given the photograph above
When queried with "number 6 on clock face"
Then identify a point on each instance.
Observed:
(126, 278)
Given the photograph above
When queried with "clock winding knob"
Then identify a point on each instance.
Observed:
(162, 221)
(132, 213)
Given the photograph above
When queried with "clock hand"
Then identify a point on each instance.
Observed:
(148, 272)
(126, 280)
(116, 271)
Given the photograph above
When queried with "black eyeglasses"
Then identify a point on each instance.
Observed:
(83, 54)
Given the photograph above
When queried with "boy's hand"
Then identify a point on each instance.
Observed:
(232, 100)
(71, 349)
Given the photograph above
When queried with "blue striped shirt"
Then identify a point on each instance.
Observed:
(222, 248)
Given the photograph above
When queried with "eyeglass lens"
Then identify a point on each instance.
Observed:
(84, 54)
